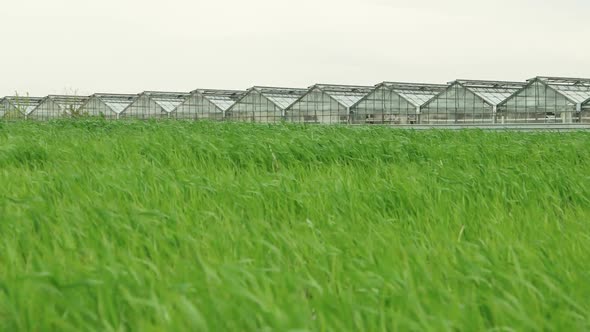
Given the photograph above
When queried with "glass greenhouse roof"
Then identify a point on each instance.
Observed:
(346, 95)
(223, 99)
(282, 97)
(65, 102)
(562, 80)
(167, 100)
(578, 94)
(493, 92)
(417, 94)
(116, 102)
(26, 104)
(575, 89)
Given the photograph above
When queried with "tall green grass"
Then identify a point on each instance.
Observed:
(140, 226)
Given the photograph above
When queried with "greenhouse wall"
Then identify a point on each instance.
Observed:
(384, 106)
(12, 113)
(47, 110)
(456, 105)
(107, 106)
(255, 107)
(537, 103)
(11, 110)
(16, 108)
(317, 106)
(144, 108)
(57, 106)
(95, 107)
(585, 112)
(198, 107)
(7, 112)
(4, 107)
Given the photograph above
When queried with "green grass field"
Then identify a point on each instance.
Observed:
(232, 227)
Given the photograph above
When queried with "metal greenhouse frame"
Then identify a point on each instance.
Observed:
(17, 107)
(394, 102)
(548, 100)
(327, 104)
(263, 104)
(154, 105)
(207, 104)
(468, 102)
(107, 105)
(57, 106)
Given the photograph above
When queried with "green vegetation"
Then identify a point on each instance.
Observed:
(145, 226)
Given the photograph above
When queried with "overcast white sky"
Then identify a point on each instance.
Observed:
(127, 46)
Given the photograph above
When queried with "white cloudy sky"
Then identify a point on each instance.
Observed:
(180, 45)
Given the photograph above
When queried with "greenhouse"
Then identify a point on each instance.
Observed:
(57, 106)
(107, 106)
(17, 107)
(326, 103)
(548, 100)
(207, 104)
(468, 102)
(394, 103)
(154, 105)
(263, 104)
(538, 101)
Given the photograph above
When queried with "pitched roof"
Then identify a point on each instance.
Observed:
(64, 102)
(26, 104)
(576, 90)
(116, 102)
(417, 94)
(223, 99)
(281, 97)
(493, 92)
(346, 95)
(167, 100)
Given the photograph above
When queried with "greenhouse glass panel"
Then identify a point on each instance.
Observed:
(18, 107)
(327, 104)
(207, 104)
(107, 106)
(57, 106)
(154, 105)
(263, 104)
(547, 100)
(585, 111)
(467, 102)
(394, 103)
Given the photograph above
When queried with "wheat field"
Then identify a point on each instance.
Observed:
(151, 226)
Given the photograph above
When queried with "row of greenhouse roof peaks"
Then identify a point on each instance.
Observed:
(493, 93)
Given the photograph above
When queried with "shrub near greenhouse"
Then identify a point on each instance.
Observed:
(223, 226)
